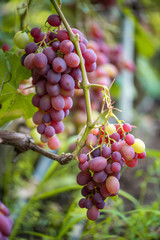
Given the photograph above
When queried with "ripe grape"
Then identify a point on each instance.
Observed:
(127, 127)
(53, 143)
(35, 32)
(82, 158)
(31, 48)
(53, 90)
(112, 184)
(72, 60)
(40, 60)
(54, 20)
(83, 178)
(88, 203)
(127, 152)
(49, 131)
(56, 115)
(83, 166)
(93, 213)
(131, 163)
(116, 167)
(28, 61)
(67, 82)
(45, 103)
(59, 65)
(81, 202)
(106, 152)
(58, 102)
(142, 155)
(50, 54)
(91, 140)
(62, 35)
(58, 126)
(89, 56)
(100, 176)
(129, 139)
(66, 46)
(37, 117)
(97, 164)
(41, 127)
(116, 156)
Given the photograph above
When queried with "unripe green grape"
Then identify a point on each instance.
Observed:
(30, 123)
(21, 39)
(36, 136)
(110, 128)
(138, 146)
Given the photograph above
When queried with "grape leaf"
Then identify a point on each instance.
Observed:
(13, 103)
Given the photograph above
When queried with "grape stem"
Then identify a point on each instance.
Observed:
(85, 83)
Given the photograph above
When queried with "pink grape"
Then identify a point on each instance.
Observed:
(49, 131)
(82, 158)
(115, 146)
(83, 166)
(67, 82)
(116, 167)
(58, 102)
(50, 54)
(37, 117)
(40, 60)
(56, 116)
(97, 164)
(127, 152)
(72, 60)
(129, 139)
(66, 46)
(58, 126)
(93, 213)
(53, 143)
(112, 184)
(62, 35)
(53, 90)
(116, 156)
(45, 103)
(89, 56)
(127, 127)
(68, 103)
(59, 65)
(91, 140)
(90, 67)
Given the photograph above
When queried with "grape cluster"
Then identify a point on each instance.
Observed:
(5, 222)
(107, 149)
(56, 71)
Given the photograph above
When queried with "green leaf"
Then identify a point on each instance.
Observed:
(38, 234)
(57, 191)
(14, 104)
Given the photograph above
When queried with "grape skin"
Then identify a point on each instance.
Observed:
(97, 164)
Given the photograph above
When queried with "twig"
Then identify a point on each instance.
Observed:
(23, 143)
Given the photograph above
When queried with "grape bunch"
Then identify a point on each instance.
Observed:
(56, 72)
(5, 222)
(107, 149)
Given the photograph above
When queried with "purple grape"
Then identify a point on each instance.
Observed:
(85, 191)
(90, 67)
(93, 213)
(52, 35)
(83, 166)
(116, 167)
(97, 164)
(89, 56)
(35, 32)
(59, 65)
(66, 93)
(40, 60)
(53, 77)
(106, 152)
(41, 87)
(5, 225)
(53, 90)
(67, 82)
(83, 178)
(115, 146)
(82, 158)
(129, 139)
(100, 205)
(116, 156)
(62, 35)
(88, 203)
(66, 46)
(96, 152)
(31, 48)
(54, 20)
(81, 202)
(49, 131)
(72, 60)
(91, 185)
(47, 118)
(99, 177)
(115, 136)
(56, 115)
(44, 71)
(28, 61)
(50, 54)
(76, 73)
(38, 117)
(36, 100)
(41, 127)
(58, 126)
(45, 103)
(55, 45)
(58, 102)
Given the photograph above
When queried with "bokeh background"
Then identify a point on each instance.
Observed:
(42, 195)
